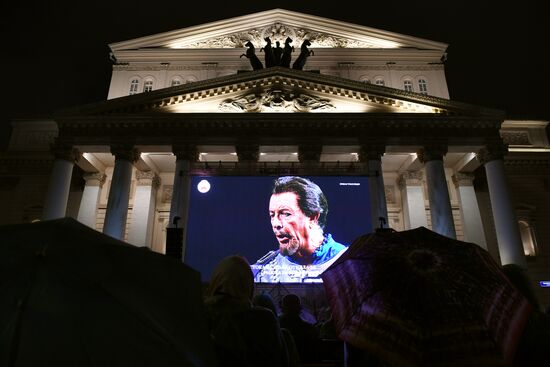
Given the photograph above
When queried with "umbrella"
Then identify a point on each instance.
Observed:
(416, 298)
(71, 296)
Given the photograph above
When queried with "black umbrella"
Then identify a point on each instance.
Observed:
(71, 296)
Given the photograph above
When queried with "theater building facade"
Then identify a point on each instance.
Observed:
(355, 101)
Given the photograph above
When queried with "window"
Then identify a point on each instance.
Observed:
(148, 86)
(527, 238)
(408, 85)
(190, 79)
(364, 79)
(134, 85)
(422, 86)
(175, 81)
(380, 81)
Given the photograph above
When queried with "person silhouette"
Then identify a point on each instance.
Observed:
(277, 53)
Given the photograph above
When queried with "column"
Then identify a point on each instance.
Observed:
(438, 191)
(87, 213)
(506, 224)
(141, 230)
(119, 192)
(248, 154)
(309, 155)
(469, 209)
(57, 195)
(186, 155)
(412, 196)
(371, 158)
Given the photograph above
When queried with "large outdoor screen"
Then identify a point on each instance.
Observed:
(281, 238)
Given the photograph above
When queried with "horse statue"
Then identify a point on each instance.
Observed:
(269, 59)
(287, 51)
(304, 54)
(251, 55)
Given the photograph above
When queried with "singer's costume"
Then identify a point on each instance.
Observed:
(279, 268)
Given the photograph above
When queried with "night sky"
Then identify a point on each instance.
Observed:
(57, 55)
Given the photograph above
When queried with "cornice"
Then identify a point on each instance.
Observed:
(329, 128)
(268, 18)
(330, 85)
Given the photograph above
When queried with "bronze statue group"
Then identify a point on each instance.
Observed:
(278, 56)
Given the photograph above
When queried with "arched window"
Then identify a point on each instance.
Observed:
(364, 79)
(148, 85)
(379, 81)
(527, 238)
(408, 85)
(190, 79)
(422, 86)
(176, 81)
(134, 86)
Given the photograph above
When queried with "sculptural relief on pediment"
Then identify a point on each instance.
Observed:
(278, 32)
(276, 100)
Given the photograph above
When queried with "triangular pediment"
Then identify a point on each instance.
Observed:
(278, 24)
(279, 90)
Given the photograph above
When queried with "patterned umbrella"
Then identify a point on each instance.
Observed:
(416, 298)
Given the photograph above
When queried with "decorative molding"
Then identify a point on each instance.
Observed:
(278, 32)
(65, 151)
(491, 152)
(147, 178)
(410, 178)
(276, 100)
(167, 193)
(389, 192)
(125, 151)
(368, 152)
(515, 137)
(463, 179)
(187, 152)
(430, 152)
(94, 178)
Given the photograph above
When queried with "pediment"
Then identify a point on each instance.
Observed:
(278, 24)
(278, 90)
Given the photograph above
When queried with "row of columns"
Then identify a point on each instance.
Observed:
(508, 236)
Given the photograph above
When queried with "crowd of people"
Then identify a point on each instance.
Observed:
(252, 330)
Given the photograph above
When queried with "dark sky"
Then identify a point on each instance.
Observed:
(57, 55)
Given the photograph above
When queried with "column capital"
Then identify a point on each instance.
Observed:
(411, 178)
(248, 152)
(126, 152)
(147, 178)
(432, 152)
(491, 152)
(188, 152)
(309, 152)
(371, 152)
(463, 179)
(94, 178)
(65, 151)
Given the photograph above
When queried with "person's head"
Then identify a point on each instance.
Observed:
(291, 304)
(298, 210)
(232, 277)
(265, 300)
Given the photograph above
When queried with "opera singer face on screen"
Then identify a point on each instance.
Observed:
(298, 210)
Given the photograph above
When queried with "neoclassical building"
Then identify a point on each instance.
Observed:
(365, 102)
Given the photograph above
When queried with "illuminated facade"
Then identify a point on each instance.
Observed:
(367, 102)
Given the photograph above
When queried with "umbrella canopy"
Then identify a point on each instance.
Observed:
(71, 296)
(416, 298)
